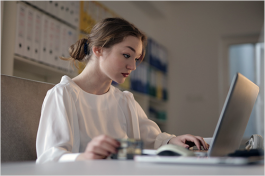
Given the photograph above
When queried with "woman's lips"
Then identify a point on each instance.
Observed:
(125, 74)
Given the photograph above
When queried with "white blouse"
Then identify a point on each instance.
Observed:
(71, 117)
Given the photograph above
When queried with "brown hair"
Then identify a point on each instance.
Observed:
(106, 33)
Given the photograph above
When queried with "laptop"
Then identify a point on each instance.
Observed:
(232, 122)
(234, 116)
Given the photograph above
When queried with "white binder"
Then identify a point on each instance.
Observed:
(36, 35)
(36, 4)
(49, 5)
(66, 16)
(42, 5)
(71, 12)
(52, 8)
(57, 43)
(61, 9)
(21, 30)
(69, 42)
(32, 3)
(51, 39)
(73, 15)
(63, 46)
(29, 32)
(74, 40)
(56, 8)
(76, 13)
(44, 38)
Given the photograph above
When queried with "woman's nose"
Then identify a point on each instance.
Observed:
(131, 65)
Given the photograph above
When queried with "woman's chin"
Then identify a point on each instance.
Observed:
(119, 81)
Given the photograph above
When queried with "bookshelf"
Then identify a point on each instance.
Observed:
(21, 65)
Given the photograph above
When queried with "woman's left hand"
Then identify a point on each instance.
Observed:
(187, 138)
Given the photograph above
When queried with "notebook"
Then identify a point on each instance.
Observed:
(230, 128)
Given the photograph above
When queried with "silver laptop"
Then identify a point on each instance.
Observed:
(234, 116)
(230, 128)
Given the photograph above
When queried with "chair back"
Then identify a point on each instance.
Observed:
(21, 101)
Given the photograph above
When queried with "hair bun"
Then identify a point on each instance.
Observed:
(79, 50)
(86, 48)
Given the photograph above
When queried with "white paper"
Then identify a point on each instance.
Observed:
(149, 151)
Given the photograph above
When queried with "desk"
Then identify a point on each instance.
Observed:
(127, 167)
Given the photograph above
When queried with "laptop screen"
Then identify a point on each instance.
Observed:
(234, 116)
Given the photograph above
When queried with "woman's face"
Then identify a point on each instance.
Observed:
(119, 61)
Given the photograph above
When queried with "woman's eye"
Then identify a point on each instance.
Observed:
(126, 55)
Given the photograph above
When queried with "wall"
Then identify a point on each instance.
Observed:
(2, 12)
(193, 32)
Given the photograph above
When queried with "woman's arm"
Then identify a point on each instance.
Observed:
(150, 132)
(58, 135)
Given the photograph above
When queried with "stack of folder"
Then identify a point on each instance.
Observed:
(157, 55)
(41, 37)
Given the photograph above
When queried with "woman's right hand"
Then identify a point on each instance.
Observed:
(99, 147)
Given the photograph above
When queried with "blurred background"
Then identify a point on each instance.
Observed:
(194, 50)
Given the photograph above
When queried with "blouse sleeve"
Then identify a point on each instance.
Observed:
(150, 133)
(58, 137)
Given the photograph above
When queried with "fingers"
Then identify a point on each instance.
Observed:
(108, 143)
(202, 141)
(191, 144)
(187, 140)
(101, 147)
(197, 140)
(98, 150)
(183, 144)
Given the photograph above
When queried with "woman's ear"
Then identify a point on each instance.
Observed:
(97, 51)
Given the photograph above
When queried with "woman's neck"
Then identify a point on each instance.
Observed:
(92, 81)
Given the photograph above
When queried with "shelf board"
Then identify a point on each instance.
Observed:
(32, 66)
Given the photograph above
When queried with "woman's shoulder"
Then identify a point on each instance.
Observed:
(123, 94)
(65, 86)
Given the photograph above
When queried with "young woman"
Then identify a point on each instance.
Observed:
(82, 117)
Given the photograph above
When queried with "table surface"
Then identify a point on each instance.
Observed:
(126, 167)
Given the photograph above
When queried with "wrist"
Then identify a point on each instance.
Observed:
(170, 141)
(81, 157)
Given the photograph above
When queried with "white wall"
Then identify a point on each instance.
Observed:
(2, 12)
(192, 33)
